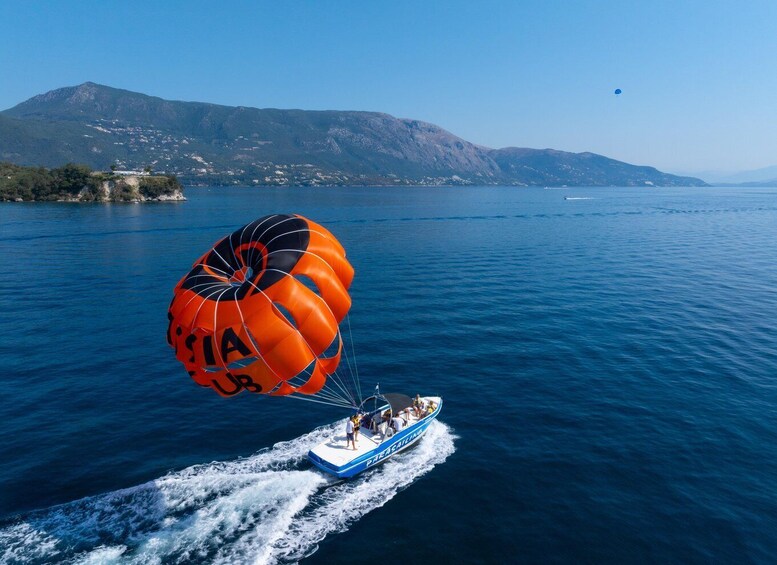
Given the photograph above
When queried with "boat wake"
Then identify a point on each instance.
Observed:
(271, 507)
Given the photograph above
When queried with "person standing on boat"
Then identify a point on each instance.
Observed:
(357, 424)
(349, 437)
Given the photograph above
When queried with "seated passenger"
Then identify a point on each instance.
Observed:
(375, 422)
(397, 423)
(418, 406)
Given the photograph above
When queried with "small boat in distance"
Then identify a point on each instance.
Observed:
(378, 439)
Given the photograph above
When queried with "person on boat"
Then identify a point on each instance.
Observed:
(356, 426)
(418, 406)
(397, 423)
(372, 421)
(431, 407)
(349, 437)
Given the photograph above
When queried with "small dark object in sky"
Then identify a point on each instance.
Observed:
(618, 91)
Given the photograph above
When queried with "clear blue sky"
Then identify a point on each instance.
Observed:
(699, 78)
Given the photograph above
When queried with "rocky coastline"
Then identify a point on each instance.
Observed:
(78, 183)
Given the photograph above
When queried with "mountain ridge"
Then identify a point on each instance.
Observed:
(215, 144)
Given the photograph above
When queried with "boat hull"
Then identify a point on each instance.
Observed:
(381, 453)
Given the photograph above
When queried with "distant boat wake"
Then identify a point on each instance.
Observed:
(267, 508)
(579, 198)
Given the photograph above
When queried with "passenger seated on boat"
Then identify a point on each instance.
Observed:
(374, 422)
(418, 406)
(397, 423)
(431, 408)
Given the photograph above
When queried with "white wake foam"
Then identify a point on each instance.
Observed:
(271, 507)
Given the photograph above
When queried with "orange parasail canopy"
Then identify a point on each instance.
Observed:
(261, 310)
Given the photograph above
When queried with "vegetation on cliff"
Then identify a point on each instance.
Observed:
(78, 183)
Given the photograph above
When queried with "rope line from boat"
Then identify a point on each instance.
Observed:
(356, 367)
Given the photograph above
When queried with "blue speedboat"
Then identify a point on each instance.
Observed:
(390, 424)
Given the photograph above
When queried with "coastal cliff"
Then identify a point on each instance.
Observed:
(135, 188)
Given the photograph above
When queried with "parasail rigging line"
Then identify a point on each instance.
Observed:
(241, 252)
(354, 374)
(356, 391)
(325, 391)
(327, 397)
(336, 380)
(344, 354)
(353, 351)
(289, 219)
(215, 324)
(329, 394)
(335, 398)
(349, 398)
(197, 313)
(306, 398)
(256, 227)
(225, 261)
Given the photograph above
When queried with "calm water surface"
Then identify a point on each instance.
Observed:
(609, 367)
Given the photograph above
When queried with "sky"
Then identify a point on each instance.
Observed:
(698, 78)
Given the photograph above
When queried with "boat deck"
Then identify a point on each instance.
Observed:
(335, 451)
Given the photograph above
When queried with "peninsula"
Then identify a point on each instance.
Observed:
(78, 183)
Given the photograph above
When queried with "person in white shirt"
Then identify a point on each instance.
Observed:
(349, 434)
(398, 423)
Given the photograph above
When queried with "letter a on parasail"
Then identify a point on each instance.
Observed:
(261, 310)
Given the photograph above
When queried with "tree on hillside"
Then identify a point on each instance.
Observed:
(71, 178)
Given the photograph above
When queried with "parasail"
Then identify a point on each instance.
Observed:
(261, 310)
(618, 91)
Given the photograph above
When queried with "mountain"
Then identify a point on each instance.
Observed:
(550, 167)
(766, 176)
(209, 143)
(752, 184)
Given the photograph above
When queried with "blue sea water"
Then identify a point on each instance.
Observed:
(608, 365)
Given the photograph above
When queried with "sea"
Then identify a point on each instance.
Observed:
(607, 359)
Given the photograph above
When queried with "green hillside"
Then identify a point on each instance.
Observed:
(209, 143)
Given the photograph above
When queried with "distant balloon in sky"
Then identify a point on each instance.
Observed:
(618, 91)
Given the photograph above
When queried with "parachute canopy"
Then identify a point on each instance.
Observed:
(261, 310)
(618, 91)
